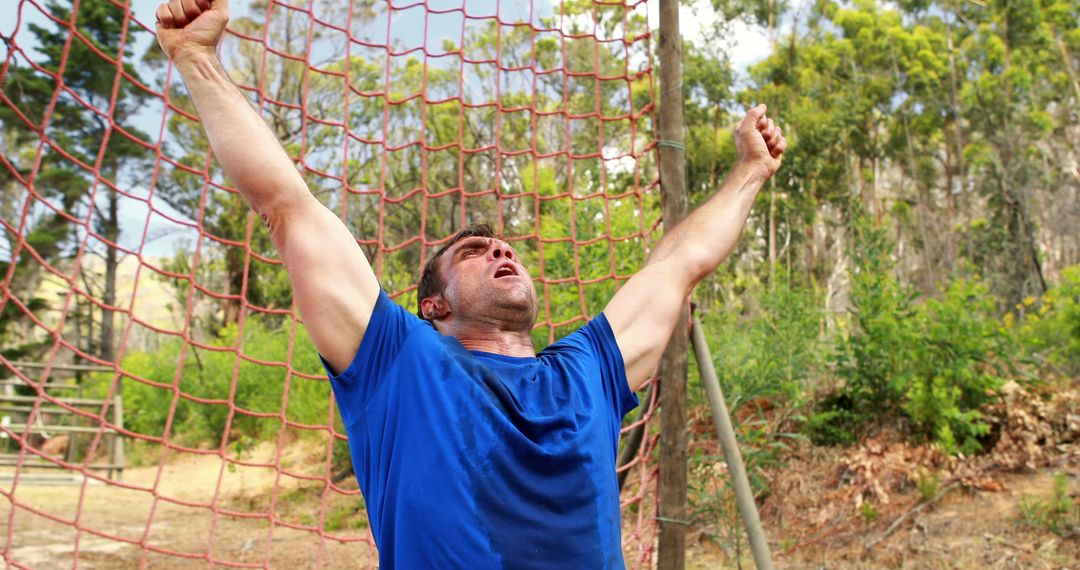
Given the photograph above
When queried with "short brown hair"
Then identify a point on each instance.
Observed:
(430, 283)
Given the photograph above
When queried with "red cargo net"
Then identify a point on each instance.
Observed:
(141, 297)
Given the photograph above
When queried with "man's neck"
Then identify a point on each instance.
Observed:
(506, 343)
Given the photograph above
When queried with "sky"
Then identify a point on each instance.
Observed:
(748, 45)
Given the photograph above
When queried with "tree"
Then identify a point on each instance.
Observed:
(90, 147)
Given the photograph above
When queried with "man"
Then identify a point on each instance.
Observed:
(472, 451)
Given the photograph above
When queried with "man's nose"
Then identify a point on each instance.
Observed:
(499, 251)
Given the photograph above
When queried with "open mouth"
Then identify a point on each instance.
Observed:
(505, 271)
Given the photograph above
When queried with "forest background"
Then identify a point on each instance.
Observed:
(917, 251)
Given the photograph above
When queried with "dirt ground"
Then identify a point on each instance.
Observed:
(890, 502)
(884, 503)
(964, 529)
(135, 516)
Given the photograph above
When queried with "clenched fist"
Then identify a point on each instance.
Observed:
(191, 26)
(759, 141)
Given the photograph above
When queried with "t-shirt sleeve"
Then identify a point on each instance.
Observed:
(386, 332)
(599, 339)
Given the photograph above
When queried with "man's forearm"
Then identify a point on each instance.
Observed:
(247, 149)
(706, 237)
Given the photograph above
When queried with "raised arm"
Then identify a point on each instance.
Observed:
(643, 313)
(333, 284)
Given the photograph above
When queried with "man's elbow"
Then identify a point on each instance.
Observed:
(279, 216)
(273, 216)
(271, 197)
(684, 269)
(694, 273)
(278, 207)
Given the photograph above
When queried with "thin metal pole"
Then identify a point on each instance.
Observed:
(673, 438)
(744, 497)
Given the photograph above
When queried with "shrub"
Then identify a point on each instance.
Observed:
(874, 360)
(957, 366)
(1059, 515)
(765, 354)
(1050, 326)
(773, 350)
(259, 366)
(934, 364)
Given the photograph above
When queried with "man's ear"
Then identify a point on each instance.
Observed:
(434, 307)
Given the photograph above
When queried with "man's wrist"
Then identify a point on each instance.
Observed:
(194, 56)
(754, 172)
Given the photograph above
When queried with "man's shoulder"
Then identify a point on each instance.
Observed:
(593, 330)
(391, 329)
(388, 313)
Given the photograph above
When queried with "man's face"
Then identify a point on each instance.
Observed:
(484, 279)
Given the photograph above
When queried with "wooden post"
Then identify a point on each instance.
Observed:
(116, 450)
(73, 437)
(673, 456)
(61, 367)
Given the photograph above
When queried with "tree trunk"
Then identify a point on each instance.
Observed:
(772, 181)
(811, 277)
(958, 139)
(772, 232)
(923, 209)
(950, 180)
(111, 232)
(1066, 59)
(714, 174)
(1019, 225)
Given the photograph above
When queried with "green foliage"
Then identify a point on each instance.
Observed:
(959, 363)
(772, 348)
(712, 500)
(346, 517)
(1049, 327)
(835, 423)
(875, 359)
(1059, 515)
(64, 100)
(215, 373)
(928, 484)
(931, 116)
(869, 512)
(934, 364)
(766, 355)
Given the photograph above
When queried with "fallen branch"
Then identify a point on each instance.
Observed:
(828, 530)
(1025, 550)
(906, 516)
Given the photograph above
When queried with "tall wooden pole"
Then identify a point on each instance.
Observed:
(673, 456)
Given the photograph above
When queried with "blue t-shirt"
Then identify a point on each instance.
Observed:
(470, 459)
